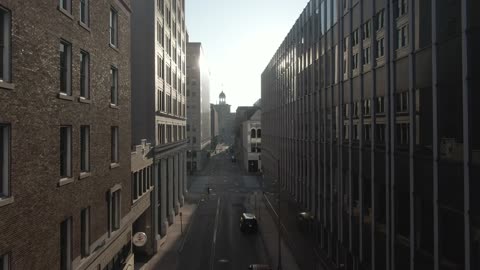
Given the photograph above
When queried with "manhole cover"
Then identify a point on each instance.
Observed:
(223, 261)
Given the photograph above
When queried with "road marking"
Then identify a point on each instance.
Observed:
(212, 255)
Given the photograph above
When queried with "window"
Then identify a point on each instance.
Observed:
(253, 148)
(160, 6)
(4, 160)
(114, 217)
(5, 54)
(380, 47)
(160, 67)
(66, 244)
(366, 56)
(85, 231)
(66, 5)
(401, 101)
(65, 68)
(355, 132)
(366, 133)
(366, 107)
(85, 12)
(259, 133)
(402, 133)
(355, 61)
(380, 133)
(380, 105)
(169, 75)
(253, 133)
(380, 19)
(113, 86)
(5, 262)
(113, 28)
(84, 75)
(366, 30)
(159, 33)
(355, 38)
(194, 139)
(114, 145)
(402, 7)
(66, 151)
(403, 36)
(85, 148)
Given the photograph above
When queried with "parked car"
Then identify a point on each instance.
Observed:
(259, 267)
(248, 223)
(304, 220)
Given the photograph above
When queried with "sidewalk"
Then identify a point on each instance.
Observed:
(167, 255)
(267, 227)
(303, 244)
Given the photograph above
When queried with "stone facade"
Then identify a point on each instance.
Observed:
(226, 121)
(367, 112)
(31, 105)
(198, 106)
(159, 102)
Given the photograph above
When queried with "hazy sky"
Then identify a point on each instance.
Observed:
(239, 38)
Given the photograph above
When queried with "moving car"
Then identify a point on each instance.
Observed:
(248, 223)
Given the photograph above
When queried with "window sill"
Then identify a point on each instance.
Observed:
(114, 165)
(65, 12)
(65, 97)
(6, 201)
(115, 48)
(84, 26)
(113, 106)
(7, 86)
(84, 100)
(65, 181)
(84, 175)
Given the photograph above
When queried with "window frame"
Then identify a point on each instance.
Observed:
(84, 74)
(85, 149)
(85, 231)
(66, 6)
(115, 206)
(66, 263)
(114, 86)
(6, 71)
(113, 27)
(67, 50)
(84, 16)
(68, 153)
(114, 144)
(5, 129)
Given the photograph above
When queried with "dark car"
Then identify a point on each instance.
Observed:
(259, 267)
(248, 223)
(304, 220)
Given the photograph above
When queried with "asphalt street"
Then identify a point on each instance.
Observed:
(214, 241)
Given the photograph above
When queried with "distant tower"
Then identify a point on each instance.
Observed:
(222, 98)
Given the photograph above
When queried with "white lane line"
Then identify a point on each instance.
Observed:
(212, 255)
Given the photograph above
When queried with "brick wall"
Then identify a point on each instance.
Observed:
(30, 226)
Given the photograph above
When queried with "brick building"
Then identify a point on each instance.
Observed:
(65, 128)
(369, 107)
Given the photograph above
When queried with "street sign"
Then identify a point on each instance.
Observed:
(139, 239)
